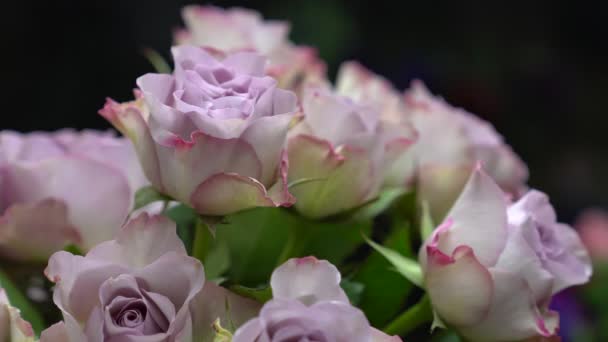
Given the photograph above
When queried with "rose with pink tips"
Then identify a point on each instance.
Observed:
(341, 153)
(215, 131)
(309, 304)
(491, 268)
(53, 187)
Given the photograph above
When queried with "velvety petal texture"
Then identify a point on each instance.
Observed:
(237, 29)
(492, 266)
(450, 142)
(63, 188)
(215, 131)
(309, 305)
(137, 287)
(339, 152)
(12, 327)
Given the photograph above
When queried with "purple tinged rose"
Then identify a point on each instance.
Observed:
(137, 287)
(492, 266)
(309, 305)
(238, 29)
(211, 134)
(63, 187)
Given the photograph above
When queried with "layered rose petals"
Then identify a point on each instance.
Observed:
(309, 305)
(492, 267)
(215, 133)
(13, 328)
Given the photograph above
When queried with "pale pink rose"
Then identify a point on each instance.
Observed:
(340, 154)
(450, 142)
(365, 87)
(214, 132)
(491, 267)
(12, 327)
(309, 305)
(63, 187)
(592, 226)
(137, 287)
(237, 29)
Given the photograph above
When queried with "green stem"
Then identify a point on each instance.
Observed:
(201, 240)
(415, 316)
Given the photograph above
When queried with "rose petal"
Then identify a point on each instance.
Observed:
(55, 333)
(308, 280)
(334, 180)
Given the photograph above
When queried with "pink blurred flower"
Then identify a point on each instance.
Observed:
(63, 187)
(309, 304)
(215, 131)
(450, 142)
(592, 225)
(492, 267)
(237, 29)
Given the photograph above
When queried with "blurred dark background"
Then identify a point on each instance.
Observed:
(537, 71)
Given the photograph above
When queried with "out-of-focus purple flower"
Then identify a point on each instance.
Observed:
(63, 187)
(309, 305)
(214, 133)
(137, 287)
(450, 142)
(237, 29)
(491, 268)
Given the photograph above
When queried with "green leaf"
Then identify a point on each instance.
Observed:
(18, 300)
(158, 62)
(377, 206)
(385, 290)
(217, 261)
(353, 290)
(407, 267)
(261, 294)
(147, 195)
(185, 218)
(426, 222)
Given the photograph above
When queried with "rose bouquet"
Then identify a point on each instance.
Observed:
(251, 199)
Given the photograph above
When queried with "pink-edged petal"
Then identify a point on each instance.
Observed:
(214, 302)
(186, 164)
(279, 192)
(267, 137)
(331, 180)
(98, 207)
(480, 219)
(129, 120)
(379, 336)
(55, 333)
(440, 186)
(514, 314)
(459, 286)
(397, 154)
(308, 280)
(37, 230)
(226, 193)
(140, 242)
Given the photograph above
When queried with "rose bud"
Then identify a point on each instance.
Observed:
(491, 267)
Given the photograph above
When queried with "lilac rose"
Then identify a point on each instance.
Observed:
(137, 287)
(492, 267)
(63, 187)
(212, 133)
(309, 305)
